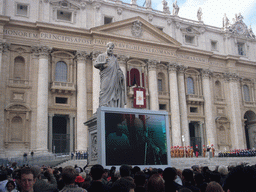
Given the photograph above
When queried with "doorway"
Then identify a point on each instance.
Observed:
(60, 135)
(195, 136)
(250, 129)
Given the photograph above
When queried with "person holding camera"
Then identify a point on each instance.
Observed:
(41, 185)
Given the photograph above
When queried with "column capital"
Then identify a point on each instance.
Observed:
(41, 50)
(173, 67)
(206, 73)
(182, 69)
(81, 55)
(152, 65)
(231, 77)
(97, 6)
(4, 47)
(95, 54)
(122, 59)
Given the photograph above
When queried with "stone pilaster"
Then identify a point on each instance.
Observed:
(174, 100)
(3, 48)
(50, 117)
(208, 107)
(81, 101)
(97, 14)
(152, 84)
(42, 97)
(183, 104)
(237, 131)
(95, 83)
(122, 59)
(71, 132)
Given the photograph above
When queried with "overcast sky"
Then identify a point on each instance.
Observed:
(213, 10)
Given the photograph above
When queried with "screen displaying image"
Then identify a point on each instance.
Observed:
(135, 139)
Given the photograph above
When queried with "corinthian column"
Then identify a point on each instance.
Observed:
(95, 84)
(42, 97)
(183, 105)
(174, 100)
(3, 48)
(237, 132)
(81, 101)
(209, 119)
(152, 83)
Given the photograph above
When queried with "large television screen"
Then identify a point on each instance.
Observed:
(134, 137)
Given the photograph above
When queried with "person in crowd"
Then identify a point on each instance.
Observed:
(123, 185)
(105, 177)
(125, 171)
(10, 186)
(188, 180)
(69, 176)
(27, 180)
(79, 180)
(223, 170)
(41, 185)
(169, 176)
(200, 182)
(240, 179)
(96, 184)
(213, 187)
(155, 184)
(140, 181)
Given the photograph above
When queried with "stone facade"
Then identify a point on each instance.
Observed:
(202, 75)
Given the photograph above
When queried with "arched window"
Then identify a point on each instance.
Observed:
(135, 77)
(16, 129)
(218, 92)
(246, 93)
(61, 72)
(161, 82)
(19, 68)
(190, 86)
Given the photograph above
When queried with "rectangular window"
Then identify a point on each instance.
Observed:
(241, 48)
(193, 110)
(160, 85)
(160, 28)
(107, 20)
(64, 15)
(214, 45)
(189, 39)
(22, 9)
(61, 100)
(162, 106)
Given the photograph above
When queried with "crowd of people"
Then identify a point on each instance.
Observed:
(127, 179)
(238, 153)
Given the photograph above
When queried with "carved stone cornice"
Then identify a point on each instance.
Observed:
(206, 73)
(152, 65)
(4, 47)
(182, 69)
(81, 55)
(95, 54)
(42, 51)
(173, 67)
(231, 77)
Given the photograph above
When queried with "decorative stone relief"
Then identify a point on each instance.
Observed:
(182, 69)
(173, 67)
(94, 152)
(119, 11)
(137, 29)
(41, 50)
(4, 47)
(83, 5)
(150, 17)
(231, 77)
(169, 21)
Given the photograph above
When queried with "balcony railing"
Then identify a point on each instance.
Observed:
(195, 99)
(18, 83)
(62, 86)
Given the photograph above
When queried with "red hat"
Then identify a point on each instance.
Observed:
(79, 179)
(191, 147)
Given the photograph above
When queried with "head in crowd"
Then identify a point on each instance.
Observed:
(10, 185)
(97, 172)
(155, 184)
(140, 178)
(169, 174)
(215, 176)
(240, 179)
(123, 185)
(213, 187)
(223, 170)
(184, 189)
(187, 176)
(37, 171)
(125, 170)
(69, 175)
(27, 179)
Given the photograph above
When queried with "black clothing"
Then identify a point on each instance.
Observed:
(98, 186)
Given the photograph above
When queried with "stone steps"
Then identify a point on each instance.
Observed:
(80, 163)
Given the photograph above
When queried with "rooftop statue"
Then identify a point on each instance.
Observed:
(199, 14)
(165, 6)
(226, 23)
(112, 87)
(134, 2)
(148, 3)
(176, 8)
